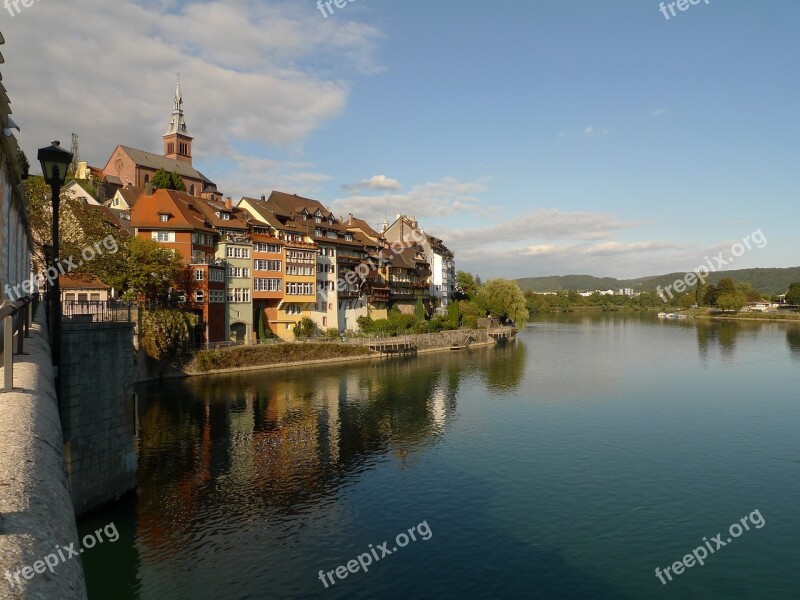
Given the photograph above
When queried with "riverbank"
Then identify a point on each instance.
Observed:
(748, 316)
(243, 359)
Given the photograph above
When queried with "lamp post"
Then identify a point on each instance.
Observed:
(55, 161)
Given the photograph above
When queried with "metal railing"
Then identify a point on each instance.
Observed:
(23, 310)
(98, 311)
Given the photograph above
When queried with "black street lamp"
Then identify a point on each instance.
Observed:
(55, 161)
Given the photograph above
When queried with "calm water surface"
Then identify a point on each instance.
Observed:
(569, 464)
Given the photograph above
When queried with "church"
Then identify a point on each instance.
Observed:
(132, 167)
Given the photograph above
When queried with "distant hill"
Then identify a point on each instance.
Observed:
(767, 281)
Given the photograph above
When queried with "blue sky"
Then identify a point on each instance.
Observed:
(536, 138)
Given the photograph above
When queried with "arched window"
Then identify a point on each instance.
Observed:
(191, 190)
(147, 178)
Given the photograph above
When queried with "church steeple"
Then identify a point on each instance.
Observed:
(177, 141)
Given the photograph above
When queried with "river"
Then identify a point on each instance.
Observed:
(570, 463)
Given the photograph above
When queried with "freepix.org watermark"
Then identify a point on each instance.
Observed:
(701, 273)
(365, 560)
(51, 561)
(699, 554)
(323, 4)
(682, 5)
(108, 245)
(13, 6)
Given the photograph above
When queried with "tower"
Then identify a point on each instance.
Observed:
(177, 141)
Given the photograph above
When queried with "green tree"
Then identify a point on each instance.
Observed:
(167, 334)
(23, 163)
(467, 285)
(731, 301)
(306, 328)
(726, 286)
(419, 310)
(793, 295)
(168, 181)
(453, 314)
(150, 270)
(711, 295)
(503, 299)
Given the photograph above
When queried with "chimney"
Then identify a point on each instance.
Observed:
(148, 189)
(228, 203)
(263, 198)
(350, 221)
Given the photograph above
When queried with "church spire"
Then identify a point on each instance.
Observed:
(177, 141)
(178, 124)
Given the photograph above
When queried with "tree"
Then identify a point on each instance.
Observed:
(711, 295)
(23, 163)
(419, 310)
(793, 295)
(467, 285)
(731, 301)
(306, 328)
(453, 314)
(503, 299)
(168, 181)
(150, 270)
(726, 286)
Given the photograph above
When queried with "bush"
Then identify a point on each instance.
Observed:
(332, 333)
(167, 334)
(306, 328)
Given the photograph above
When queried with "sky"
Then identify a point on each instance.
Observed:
(536, 138)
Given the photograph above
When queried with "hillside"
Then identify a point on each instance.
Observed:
(768, 281)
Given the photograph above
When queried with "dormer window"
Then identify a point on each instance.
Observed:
(163, 218)
(317, 219)
(348, 237)
(225, 216)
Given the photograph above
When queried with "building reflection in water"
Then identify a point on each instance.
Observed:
(219, 452)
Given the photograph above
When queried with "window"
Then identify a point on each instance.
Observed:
(163, 218)
(199, 275)
(216, 296)
(302, 271)
(318, 232)
(324, 321)
(268, 265)
(317, 219)
(69, 297)
(147, 178)
(191, 190)
(239, 272)
(300, 289)
(267, 285)
(164, 236)
(239, 295)
(270, 248)
(199, 296)
(216, 275)
(348, 237)
(83, 297)
(332, 234)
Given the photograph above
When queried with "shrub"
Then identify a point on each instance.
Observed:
(306, 328)
(167, 334)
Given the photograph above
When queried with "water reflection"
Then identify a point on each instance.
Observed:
(793, 339)
(218, 453)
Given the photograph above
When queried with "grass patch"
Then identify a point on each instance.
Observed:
(258, 356)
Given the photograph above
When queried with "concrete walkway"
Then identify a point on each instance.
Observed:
(36, 512)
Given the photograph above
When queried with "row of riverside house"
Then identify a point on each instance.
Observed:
(269, 262)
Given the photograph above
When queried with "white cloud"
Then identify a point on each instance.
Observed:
(254, 75)
(447, 197)
(377, 182)
(658, 112)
